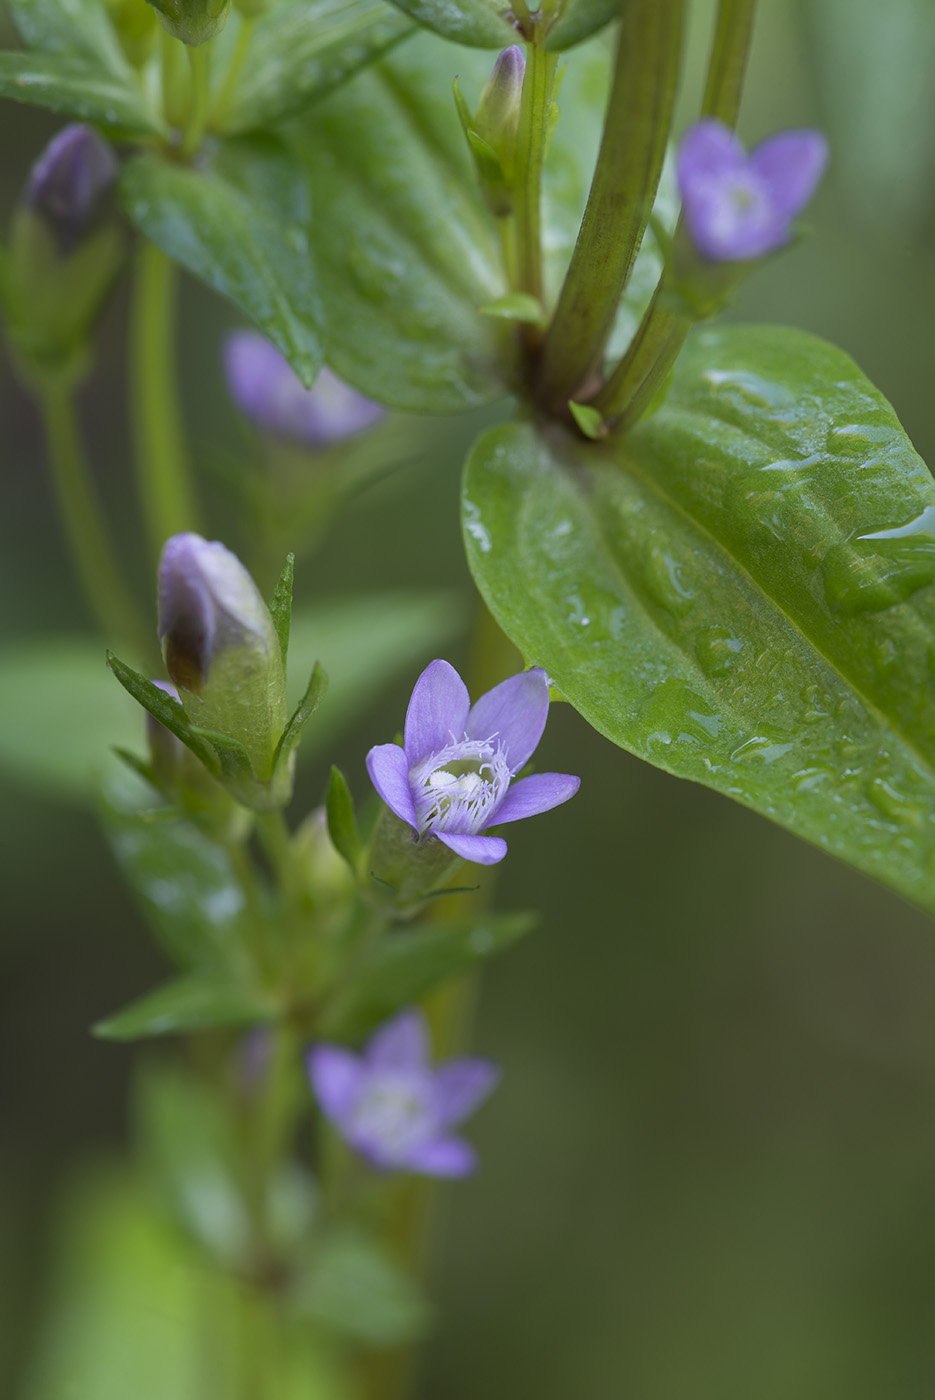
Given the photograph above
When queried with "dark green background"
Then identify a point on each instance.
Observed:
(710, 1168)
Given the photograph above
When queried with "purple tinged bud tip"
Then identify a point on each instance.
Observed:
(737, 205)
(497, 112)
(207, 602)
(392, 1107)
(269, 392)
(71, 184)
(454, 776)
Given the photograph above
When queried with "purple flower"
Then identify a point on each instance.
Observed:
(71, 184)
(269, 392)
(207, 603)
(453, 777)
(740, 206)
(392, 1107)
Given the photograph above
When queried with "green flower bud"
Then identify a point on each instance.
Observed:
(192, 21)
(492, 130)
(135, 26)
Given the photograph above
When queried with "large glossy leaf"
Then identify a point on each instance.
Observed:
(408, 253)
(63, 710)
(303, 49)
(80, 28)
(79, 88)
(239, 224)
(739, 592)
(487, 24)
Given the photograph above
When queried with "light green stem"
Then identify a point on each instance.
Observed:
(161, 456)
(83, 522)
(531, 137)
(199, 58)
(232, 77)
(652, 353)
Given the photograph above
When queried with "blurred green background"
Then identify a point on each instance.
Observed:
(710, 1168)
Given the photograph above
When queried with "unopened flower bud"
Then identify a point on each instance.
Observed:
(269, 392)
(192, 21)
(67, 245)
(221, 647)
(136, 28)
(497, 117)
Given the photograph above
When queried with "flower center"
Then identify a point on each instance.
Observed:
(458, 789)
(393, 1114)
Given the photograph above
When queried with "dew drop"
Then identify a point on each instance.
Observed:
(880, 568)
(764, 747)
(675, 713)
(895, 804)
(663, 576)
(717, 650)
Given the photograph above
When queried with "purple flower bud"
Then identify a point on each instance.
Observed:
(71, 183)
(208, 603)
(739, 206)
(269, 392)
(392, 1107)
(497, 114)
(454, 776)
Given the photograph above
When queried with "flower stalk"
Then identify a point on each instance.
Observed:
(531, 137)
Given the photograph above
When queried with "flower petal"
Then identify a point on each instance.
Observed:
(444, 1157)
(790, 163)
(336, 1077)
(540, 792)
(402, 1043)
(483, 850)
(709, 151)
(515, 711)
(460, 1086)
(437, 711)
(389, 773)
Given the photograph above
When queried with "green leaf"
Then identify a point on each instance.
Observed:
(356, 1290)
(199, 1002)
(280, 607)
(480, 23)
(516, 306)
(303, 49)
(342, 819)
(578, 20)
(79, 88)
(589, 419)
(80, 28)
(185, 883)
(167, 710)
(314, 694)
(238, 224)
(739, 592)
(404, 966)
(409, 253)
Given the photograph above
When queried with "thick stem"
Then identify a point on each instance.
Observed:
(629, 164)
(83, 522)
(639, 376)
(161, 457)
(531, 139)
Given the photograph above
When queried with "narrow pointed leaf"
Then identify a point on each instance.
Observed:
(741, 591)
(165, 709)
(342, 820)
(314, 694)
(194, 1003)
(280, 607)
(78, 88)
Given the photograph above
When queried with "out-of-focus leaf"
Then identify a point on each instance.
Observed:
(403, 966)
(185, 883)
(80, 28)
(303, 49)
(239, 224)
(486, 24)
(79, 88)
(62, 710)
(357, 1291)
(740, 592)
(580, 18)
(197, 1002)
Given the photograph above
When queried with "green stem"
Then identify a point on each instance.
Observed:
(728, 61)
(232, 77)
(652, 354)
(83, 522)
(199, 58)
(174, 84)
(629, 164)
(535, 108)
(161, 457)
(276, 840)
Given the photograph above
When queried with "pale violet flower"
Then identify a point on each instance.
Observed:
(392, 1107)
(269, 392)
(71, 184)
(454, 776)
(739, 206)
